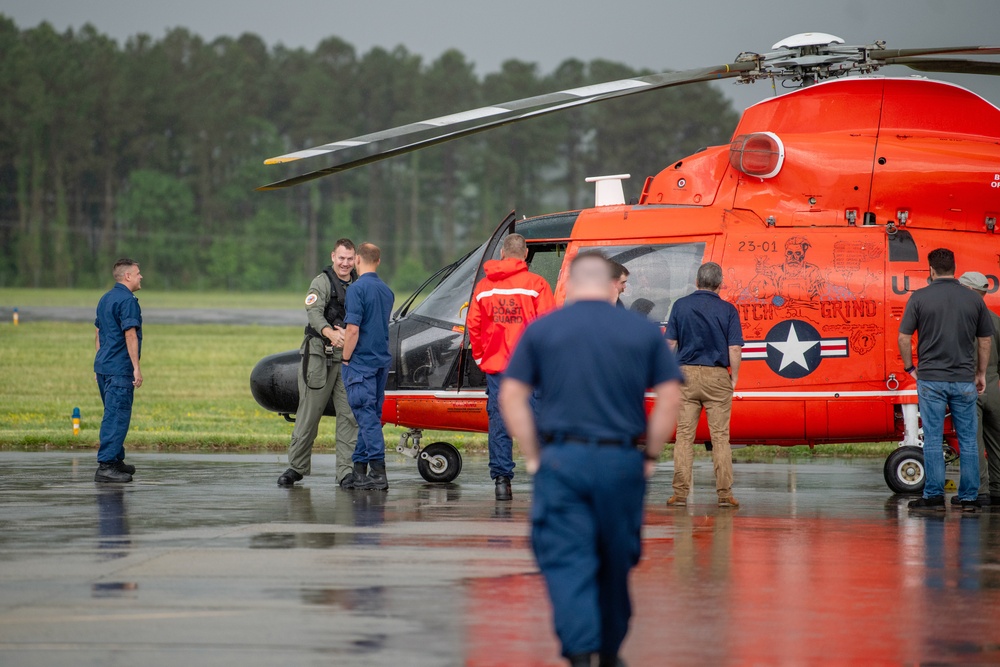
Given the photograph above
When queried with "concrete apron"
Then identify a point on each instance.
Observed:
(205, 560)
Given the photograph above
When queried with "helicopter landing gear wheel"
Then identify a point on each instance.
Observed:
(439, 462)
(904, 470)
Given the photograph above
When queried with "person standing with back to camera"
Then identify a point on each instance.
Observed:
(951, 322)
(705, 332)
(503, 304)
(366, 360)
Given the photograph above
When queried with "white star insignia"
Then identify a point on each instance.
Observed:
(793, 351)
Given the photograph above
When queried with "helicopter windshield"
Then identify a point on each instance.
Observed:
(445, 302)
(658, 275)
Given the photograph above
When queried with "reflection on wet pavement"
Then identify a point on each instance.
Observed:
(205, 560)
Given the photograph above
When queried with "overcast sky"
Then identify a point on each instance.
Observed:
(654, 34)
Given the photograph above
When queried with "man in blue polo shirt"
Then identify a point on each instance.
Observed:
(705, 333)
(118, 342)
(590, 478)
(366, 360)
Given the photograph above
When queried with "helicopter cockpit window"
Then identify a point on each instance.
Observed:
(658, 275)
(447, 299)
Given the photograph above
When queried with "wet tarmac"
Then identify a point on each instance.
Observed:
(203, 560)
(258, 316)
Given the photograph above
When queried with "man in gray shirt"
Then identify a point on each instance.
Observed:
(949, 319)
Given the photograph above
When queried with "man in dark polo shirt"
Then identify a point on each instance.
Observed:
(705, 333)
(949, 319)
(589, 476)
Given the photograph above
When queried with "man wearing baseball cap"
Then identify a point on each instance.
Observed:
(988, 406)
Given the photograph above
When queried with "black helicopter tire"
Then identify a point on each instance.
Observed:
(439, 462)
(904, 470)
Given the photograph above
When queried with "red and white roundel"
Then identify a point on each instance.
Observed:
(311, 299)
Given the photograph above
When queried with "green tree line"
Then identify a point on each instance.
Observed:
(152, 150)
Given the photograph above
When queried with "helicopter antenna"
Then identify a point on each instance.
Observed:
(608, 190)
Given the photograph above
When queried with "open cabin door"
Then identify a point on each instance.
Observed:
(432, 343)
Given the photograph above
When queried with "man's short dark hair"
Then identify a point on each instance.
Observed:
(709, 276)
(617, 270)
(347, 243)
(942, 261)
(122, 266)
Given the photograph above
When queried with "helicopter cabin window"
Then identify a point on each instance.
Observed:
(546, 259)
(658, 275)
(430, 336)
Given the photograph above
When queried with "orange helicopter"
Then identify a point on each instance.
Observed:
(821, 211)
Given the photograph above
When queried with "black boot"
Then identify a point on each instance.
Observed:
(110, 472)
(360, 477)
(377, 478)
(580, 659)
(125, 467)
(503, 489)
(289, 477)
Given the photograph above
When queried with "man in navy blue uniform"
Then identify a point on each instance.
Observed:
(705, 333)
(590, 478)
(366, 361)
(118, 343)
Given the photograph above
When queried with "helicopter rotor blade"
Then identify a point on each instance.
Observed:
(886, 54)
(494, 115)
(794, 59)
(386, 153)
(948, 65)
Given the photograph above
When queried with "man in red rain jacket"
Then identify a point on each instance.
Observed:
(503, 304)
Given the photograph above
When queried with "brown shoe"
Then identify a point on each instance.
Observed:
(677, 501)
(728, 501)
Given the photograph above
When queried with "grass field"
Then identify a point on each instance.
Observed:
(196, 392)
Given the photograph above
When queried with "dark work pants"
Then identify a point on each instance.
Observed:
(116, 394)
(499, 442)
(586, 518)
(365, 394)
(988, 439)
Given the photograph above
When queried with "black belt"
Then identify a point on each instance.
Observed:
(548, 438)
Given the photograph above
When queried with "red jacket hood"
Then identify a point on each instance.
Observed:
(499, 269)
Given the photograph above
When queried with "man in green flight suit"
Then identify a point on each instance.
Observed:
(319, 373)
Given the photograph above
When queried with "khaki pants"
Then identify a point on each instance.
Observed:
(323, 380)
(709, 387)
